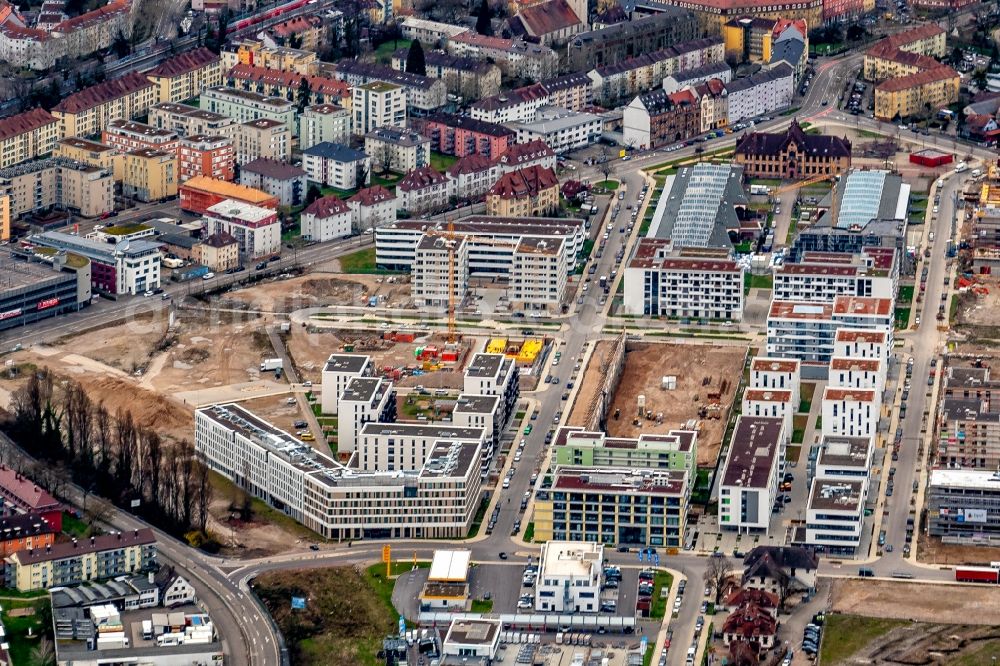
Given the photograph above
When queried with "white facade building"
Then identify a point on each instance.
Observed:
(835, 513)
(364, 399)
(338, 371)
(764, 92)
(861, 373)
(538, 275)
(772, 403)
(377, 104)
(393, 447)
(327, 218)
(749, 484)
(336, 165)
(431, 283)
(851, 412)
(569, 577)
(397, 149)
(849, 457)
(563, 130)
(777, 373)
(256, 229)
(862, 343)
(324, 123)
(822, 276)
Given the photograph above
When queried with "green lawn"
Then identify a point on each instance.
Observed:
(73, 526)
(761, 281)
(441, 162)
(363, 262)
(477, 520)
(40, 624)
(798, 435)
(905, 294)
(769, 182)
(607, 185)
(482, 606)
(846, 634)
(662, 580)
(806, 393)
(902, 317)
(387, 179)
(792, 453)
(529, 532)
(385, 50)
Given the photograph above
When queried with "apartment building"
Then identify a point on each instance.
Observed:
(524, 155)
(338, 371)
(90, 152)
(962, 505)
(244, 106)
(914, 94)
(793, 154)
(324, 123)
(849, 457)
(201, 193)
(373, 207)
(117, 271)
(424, 190)
(538, 277)
(336, 165)
(75, 562)
(517, 105)
(620, 41)
(263, 138)
(749, 483)
(257, 229)
(397, 149)
(463, 76)
(287, 183)
(306, 30)
(968, 419)
(423, 94)
(851, 412)
(494, 374)
(772, 403)
(677, 282)
(676, 450)
(569, 577)
(862, 343)
(429, 33)
(363, 399)
(515, 57)
(570, 91)
(434, 283)
(751, 39)
(767, 91)
(252, 51)
(462, 135)
(560, 129)
(777, 373)
(377, 104)
(58, 182)
(209, 156)
(21, 495)
(481, 411)
(883, 59)
(527, 192)
(822, 276)
(835, 514)
(220, 252)
(190, 121)
(89, 111)
(27, 135)
(125, 135)
(711, 16)
(438, 499)
(25, 531)
(406, 446)
(277, 83)
(185, 75)
(150, 175)
(861, 373)
(472, 177)
(610, 505)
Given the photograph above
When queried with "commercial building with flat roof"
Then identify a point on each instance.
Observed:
(471, 638)
(841, 456)
(42, 284)
(676, 450)
(963, 506)
(835, 513)
(749, 480)
(201, 193)
(115, 269)
(699, 206)
(569, 577)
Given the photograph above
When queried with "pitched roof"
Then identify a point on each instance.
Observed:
(521, 153)
(296, 25)
(465, 123)
(185, 62)
(521, 95)
(474, 163)
(761, 598)
(567, 81)
(547, 17)
(95, 544)
(98, 94)
(373, 195)
(373, 72)
(24, 492)
(24, 122)
(526, 182)
(335, 151)
(780, 71)
(660, 101)
(939, 73)
(750, 621)
(772, 144)
(271, 168)
(99, 15)
(327, 207)
(220, 239)
(419, 178)
(317, 84)
(784, 557)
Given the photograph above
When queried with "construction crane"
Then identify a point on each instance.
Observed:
(798, 185)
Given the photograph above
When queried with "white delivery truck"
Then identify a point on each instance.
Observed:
(270, 364)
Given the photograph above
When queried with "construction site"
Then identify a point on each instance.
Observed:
(660, 387)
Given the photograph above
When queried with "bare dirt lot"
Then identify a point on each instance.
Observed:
(980, 308)
(931, 550)
(712, 370)
(323, 289)
(921, 602)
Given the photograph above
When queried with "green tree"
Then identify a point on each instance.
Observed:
(313, 193)
(304, 94)
(415, 63)
(484, 19)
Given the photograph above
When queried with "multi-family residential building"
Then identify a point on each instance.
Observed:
(658, 118)
(305, 30)
(462, 135)
(641, 506)
(711, 16)
(719, 72)
(257, 229)
(189, 121)
(327, 218)
(848, 457)
(338, 372)
(835, 513)
(150, 175)
(963, 506)
(480, 411)
(423, 94)
(515, 57)
(862, 373)
(324, 123)
(287, 183)
(862, 343)
(264, 137)
(441, 276)
(570, 91)
(134, 269)
(620, 41)
(88, 111)
(397, 447)
(185, 75)
(663, 280)
(793, 154)
(336, 165)
(518, 105)
(969, 419)
(363, 399)
(377, 104)
(58, 182)
(676, 450)
(822, 276)
(767, 91)
(569, 577)
(27, 135)
(252, 51)
(851, 412)
(436, 499)
(126, 135)
(538, 277)
(752, 38)
(560, 129)
(203, 155)
(749, 484)
(287, 85)
(201, 193)
(424, 190)
(472, 177)
(885, 58)
(783, 374)
(906, 68)
(397, 149)
(772, 403)
(429, 33)
(527, 192)
(463, 76)
(524, 155)
(90, 152)
(219, 251)
(494, 374)
(25, 531)
(22, 495)
(914, 94)
(373, 207)
(244, 106)
(81, 561)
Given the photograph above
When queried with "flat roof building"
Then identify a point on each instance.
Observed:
(963, 506)
(835, 513)
(569, 577)
(675, 450)
(749, 482)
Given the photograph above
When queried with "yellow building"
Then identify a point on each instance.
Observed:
(150, 175)
(75, 562)
(184, 76)
(4, 218)
(26, 136)
(92, 153)
(905, 52)
(220, 252)
(281, 58)
(529, 192)
(87, 113)
(917, 94)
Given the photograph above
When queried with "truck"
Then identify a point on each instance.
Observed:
(269, 364)
(760, 189)
(977, 575)
(147, 630)
(603, 282)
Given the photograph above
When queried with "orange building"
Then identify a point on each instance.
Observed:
(24, 530)
(201, 193)
(211, 156)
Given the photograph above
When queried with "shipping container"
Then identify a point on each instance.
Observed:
(977, 575)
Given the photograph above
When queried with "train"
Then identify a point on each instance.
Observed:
(990, 574)
(269, 14)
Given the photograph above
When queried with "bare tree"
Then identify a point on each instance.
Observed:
(43, 654)
(604, 163)
(204, 494)
(785, 589)
(716, 574)
(742, 653)
(384, 156)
